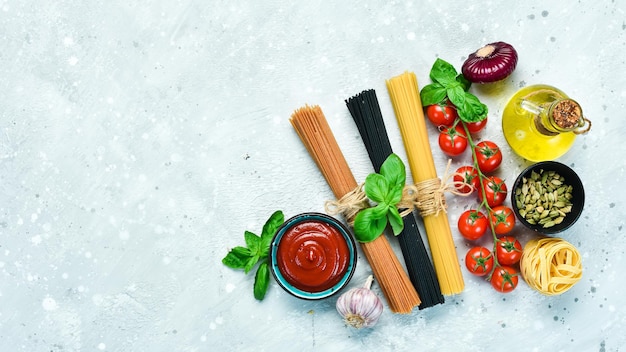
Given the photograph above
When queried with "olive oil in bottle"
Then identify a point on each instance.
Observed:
(540, 122)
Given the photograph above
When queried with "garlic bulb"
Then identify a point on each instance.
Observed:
(360, 307)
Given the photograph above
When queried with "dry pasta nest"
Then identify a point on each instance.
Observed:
(551, 265)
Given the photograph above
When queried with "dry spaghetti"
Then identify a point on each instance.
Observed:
(366, 113)
(315, 133)
(405, 98)
(551, 265)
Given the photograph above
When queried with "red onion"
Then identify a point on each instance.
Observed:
(493, 62)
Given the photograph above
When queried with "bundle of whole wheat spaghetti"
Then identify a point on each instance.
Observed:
(315, 133)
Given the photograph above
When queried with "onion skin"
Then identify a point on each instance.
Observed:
(491, 63)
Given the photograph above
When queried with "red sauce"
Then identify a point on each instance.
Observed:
(313, 256)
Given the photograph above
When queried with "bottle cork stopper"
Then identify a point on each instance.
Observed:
(567, 114)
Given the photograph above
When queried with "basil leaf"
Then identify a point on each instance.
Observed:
(393, 170)
(241, 252)
(465, 83)
(376, 187)
(443, 72)
(253, 242)
(395, 195)
(479, 108)
(236, 258)
(261, 280)
(432, 94)
(362, 221)
(472, 110)
(272, 224)
(269, 230)
(369, 224)
(250, 263)
(257, 249)
(395, 220)
(380, 210)
(456, 94)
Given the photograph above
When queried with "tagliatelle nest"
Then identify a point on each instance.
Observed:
(551, 265)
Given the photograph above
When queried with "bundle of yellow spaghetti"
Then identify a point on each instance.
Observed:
(404, 94)
(550, 265)
(315, 133)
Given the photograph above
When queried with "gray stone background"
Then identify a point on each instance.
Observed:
(139, 140)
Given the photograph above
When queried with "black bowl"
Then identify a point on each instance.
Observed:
(571, 178)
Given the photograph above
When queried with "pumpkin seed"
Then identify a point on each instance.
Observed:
(543, 198)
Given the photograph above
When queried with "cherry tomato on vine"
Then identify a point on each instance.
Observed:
(479, 261)
(452, 141)
(442, 114)
(475, 127)
(508, 250)
(488, 155)
(504, 279)
(503, 219)
(472, 224)
(467, 175)
(495, 191)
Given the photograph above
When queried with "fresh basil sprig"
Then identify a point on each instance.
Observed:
(447, 83)
(257, 249)
(386, 190)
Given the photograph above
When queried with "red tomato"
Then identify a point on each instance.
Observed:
(503, 219)
(508, 250)
(479, 261)
(504, 279)
(467, 175)
(452, 141)
(441, 114)
(495, 191)
(473, 224)
(475, 127)
(488, 155)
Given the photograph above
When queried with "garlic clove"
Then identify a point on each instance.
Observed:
(360, 307)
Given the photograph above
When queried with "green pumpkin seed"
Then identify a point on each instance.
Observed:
(543, 198)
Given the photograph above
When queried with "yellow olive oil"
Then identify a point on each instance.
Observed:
(531, 125)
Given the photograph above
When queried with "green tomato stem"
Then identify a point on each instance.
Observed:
(483, 203)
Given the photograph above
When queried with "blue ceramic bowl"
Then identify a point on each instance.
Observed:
(312, 256)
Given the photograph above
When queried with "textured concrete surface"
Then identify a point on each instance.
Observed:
(139, 140)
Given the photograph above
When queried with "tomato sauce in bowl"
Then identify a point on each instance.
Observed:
(312, 256)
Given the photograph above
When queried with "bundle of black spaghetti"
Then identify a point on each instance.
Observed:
(366, 113)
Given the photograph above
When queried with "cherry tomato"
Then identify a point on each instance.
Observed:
(503, 219)
(472, 224)
(467, 175)
(488, 155)
(504, 279)
(495, 191)
(452, 141)
(479, 261)
(442, 114)
(475, 127)
(508, 250)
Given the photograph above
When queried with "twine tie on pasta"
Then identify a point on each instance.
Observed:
(427, 197)
(348, 205)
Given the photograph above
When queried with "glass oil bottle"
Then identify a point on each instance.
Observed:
(540, 122)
